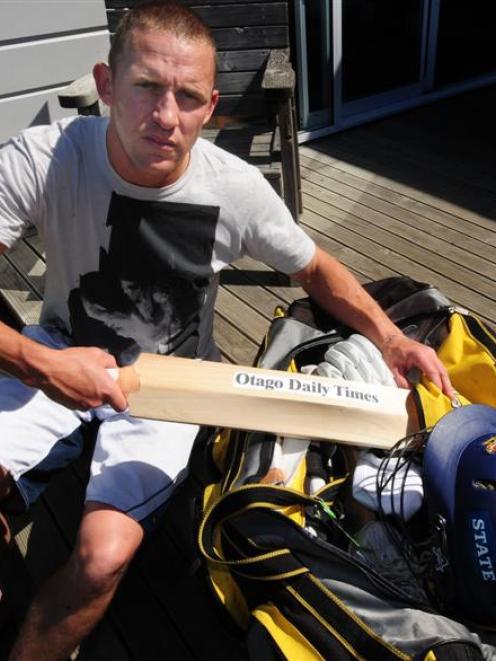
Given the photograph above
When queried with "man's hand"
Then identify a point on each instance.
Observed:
(78, 378)
(331, 285)
(402, 354)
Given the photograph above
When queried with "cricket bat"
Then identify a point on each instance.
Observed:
(287, 404)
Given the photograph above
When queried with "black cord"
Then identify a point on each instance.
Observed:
(405, 452)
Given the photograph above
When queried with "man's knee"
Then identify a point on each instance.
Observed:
(100, 567)
(107, 542)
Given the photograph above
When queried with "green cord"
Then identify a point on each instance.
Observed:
(333, 516)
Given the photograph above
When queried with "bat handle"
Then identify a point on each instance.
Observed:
(128, 380)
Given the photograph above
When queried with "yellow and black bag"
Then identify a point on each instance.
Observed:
(468, 351)
(281, 559)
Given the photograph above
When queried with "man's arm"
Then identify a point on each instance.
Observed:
(75, 377)
(331, 285)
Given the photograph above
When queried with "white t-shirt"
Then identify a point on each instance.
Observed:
(131, 268)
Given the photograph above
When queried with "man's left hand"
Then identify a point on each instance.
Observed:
(402, 354)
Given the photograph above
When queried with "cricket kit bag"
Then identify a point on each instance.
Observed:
(322, 551)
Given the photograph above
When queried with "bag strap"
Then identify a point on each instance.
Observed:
(455, 650)
(329, 620)
(298, 591)
(272, 565)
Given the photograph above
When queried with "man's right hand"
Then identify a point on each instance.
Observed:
(77, 377)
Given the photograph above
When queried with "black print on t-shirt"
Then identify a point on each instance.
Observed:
(151, 285)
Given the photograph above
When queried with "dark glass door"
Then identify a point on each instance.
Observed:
(381, 46)
(466, 44)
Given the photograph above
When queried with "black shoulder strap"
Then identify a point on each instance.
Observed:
(456, 650)
(400, 297)
(330, 626)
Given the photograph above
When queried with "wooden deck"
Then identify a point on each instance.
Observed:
(412, 194)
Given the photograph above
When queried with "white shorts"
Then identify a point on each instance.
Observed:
(136, 463)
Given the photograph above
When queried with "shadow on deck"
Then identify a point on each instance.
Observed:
(446, 149)
(413, 194)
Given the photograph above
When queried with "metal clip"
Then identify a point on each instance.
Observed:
(455, 401)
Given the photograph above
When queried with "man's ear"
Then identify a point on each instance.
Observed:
(103, 79)
(213, 102)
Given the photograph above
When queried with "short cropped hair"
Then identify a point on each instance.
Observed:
(156, 16)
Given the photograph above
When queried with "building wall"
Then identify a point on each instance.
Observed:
(44, 45)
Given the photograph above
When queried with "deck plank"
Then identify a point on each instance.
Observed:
(234, 308)
(234, 346)
(17, 294)
(383, 248)
(466, 200)
(415, 194)
(423, 137)
(445, 228)
(264, 276)
(29, 264)
(257, 298)
(404, 176)
(361, 255)
(435, 254)
(187, 600)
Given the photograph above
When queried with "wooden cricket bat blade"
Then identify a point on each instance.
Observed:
(294, 405)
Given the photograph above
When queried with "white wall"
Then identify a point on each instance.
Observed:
(44, 45)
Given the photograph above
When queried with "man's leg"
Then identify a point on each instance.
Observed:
(75, 599)
(136, 465)
(37, 436)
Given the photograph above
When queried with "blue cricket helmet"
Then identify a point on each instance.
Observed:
(460, 486)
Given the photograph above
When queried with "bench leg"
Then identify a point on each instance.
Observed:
(290, 157)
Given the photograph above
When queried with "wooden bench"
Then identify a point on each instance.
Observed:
(255, 117)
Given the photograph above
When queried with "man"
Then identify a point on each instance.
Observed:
(138, 215)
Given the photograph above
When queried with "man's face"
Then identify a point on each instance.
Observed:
(160, 97)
